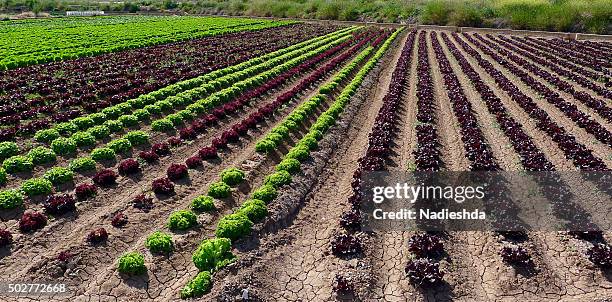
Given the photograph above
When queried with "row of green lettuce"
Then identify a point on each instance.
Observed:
(41, 155)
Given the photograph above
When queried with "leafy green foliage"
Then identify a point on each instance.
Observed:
(10, 199)
(83, 122)
(120, 145)
(234, 226)
(162, 125)
(37, 186)
(219, 190)
(114, 125)
(42, 155)
(265, 146)
(132, 263)
(84, 139)
(182, 220)
(3, 176)
(100, 132)
(137, 137)
(266, 193)
(278, 179)
(66, 128)
(300, 153)
(197, 287)
(128, 120)
(59, 175)
(101, 154)
(213, 254)
(82, 164)
(8, 149)
(254, 209)
(232, 176)
(290, 165)
(159, 243)
(64, 146)
(17, 163)
(203, 203)
(46, 135)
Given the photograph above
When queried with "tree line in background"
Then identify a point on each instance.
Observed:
(591, 16)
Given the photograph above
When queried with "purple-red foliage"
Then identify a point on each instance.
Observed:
(119, 220)
(32, 221)
(163, 186)
(177, 171)
(97, 236)
(148, 156)
(59, 204)
(6, 238)
(105, 177)
(193, 162)
(129, 166)
(143, 202)
(209, 152)
(345, 244)
(161, 149)
(85, 190)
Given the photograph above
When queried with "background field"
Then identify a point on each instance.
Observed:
(591, 16)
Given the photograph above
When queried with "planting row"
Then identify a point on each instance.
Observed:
(532, 158)
(570, 110)
(178, 220)
(56, 92)
(499, 205)
(35, 43)
(577, 57)
(241, 128)
(578, 71)
(165, 100)
(476, 147)
(597, 105)
(427, 156)
(379, 146)
(580, 155)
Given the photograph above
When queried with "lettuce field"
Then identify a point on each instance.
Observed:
(226, 159)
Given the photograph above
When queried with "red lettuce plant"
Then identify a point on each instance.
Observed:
(85, 190)
(163, 186)
(59, 204)
(97, 236)
(129, 166)
(105, 178)
(148, 156)
(6, 238)
(177, 171)
(119, 220)
(143, 202)
(32, 221)
(193, 162)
